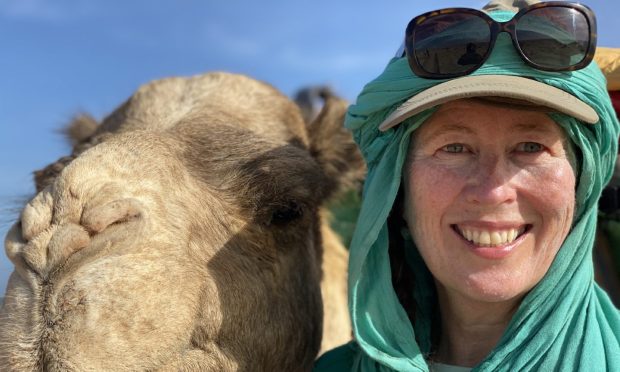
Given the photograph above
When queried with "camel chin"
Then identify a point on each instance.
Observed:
(186, 231)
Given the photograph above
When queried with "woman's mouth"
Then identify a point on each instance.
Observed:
(490, 238)
(492, 243)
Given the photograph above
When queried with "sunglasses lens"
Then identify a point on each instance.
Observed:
(553, 37)
(451, 44)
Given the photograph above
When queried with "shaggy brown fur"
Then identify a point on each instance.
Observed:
(184, 233)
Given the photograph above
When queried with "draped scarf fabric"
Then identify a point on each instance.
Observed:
(566, 322)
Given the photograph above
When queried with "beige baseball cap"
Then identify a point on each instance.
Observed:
(505, 86)
(511, 88)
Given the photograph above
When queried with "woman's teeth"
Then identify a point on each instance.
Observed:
(485, 238)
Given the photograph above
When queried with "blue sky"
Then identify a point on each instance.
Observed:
(61, 57)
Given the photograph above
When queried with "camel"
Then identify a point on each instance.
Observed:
(185, 232)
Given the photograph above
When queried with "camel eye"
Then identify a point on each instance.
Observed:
(283, 215)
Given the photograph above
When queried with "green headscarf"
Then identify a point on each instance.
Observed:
(565, 323)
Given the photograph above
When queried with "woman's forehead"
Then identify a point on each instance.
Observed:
(473, 110)
(482, 116)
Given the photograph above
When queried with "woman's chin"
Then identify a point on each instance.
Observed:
(493, 287)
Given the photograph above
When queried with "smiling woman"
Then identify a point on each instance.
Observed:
(473, 249)
(486, 174)
(488, 233)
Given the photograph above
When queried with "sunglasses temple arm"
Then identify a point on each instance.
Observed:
(400, 52)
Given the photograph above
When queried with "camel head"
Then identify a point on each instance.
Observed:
(184, 232)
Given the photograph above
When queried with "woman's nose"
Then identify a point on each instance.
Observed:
(492, 182)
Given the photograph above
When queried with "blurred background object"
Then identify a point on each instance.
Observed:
(607, 252)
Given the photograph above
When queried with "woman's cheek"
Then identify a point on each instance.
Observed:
(431, 192)
(551, 184)
(439, 179)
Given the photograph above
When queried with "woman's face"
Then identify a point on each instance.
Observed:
(489, 197)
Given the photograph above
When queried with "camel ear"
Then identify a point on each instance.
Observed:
(81, 127)
(78, 133)
(333, 147)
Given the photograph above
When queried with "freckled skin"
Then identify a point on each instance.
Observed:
(478, 164)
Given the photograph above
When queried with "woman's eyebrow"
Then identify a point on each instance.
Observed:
(459, 129)
(540, 128)
(449, 129)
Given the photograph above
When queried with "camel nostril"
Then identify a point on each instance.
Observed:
(37, 214)
(116, 212)
(67, 240)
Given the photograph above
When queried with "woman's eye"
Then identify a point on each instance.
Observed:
(454, 148)
(529, 147)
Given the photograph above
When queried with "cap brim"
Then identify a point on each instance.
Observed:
(514, 87)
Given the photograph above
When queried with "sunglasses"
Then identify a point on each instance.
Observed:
(549, 36)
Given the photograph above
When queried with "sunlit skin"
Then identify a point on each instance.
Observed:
(492, 169)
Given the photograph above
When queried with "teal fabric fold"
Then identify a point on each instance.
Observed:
(565, 323)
